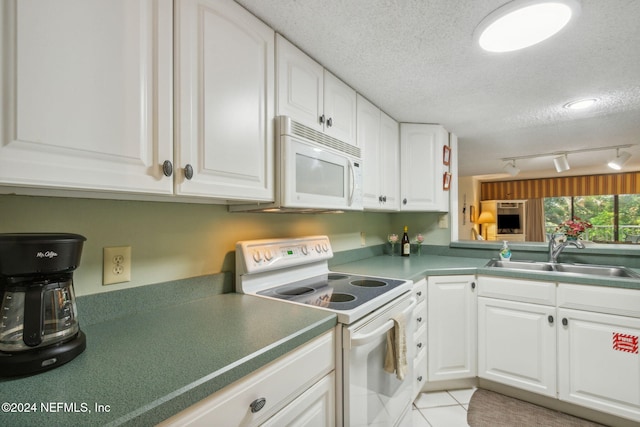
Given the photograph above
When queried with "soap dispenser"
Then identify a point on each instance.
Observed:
(505, 252)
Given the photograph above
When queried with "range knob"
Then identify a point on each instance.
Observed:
(318, 248)
(325, 248)
(304, 250)
(268, 255)
(257, 256)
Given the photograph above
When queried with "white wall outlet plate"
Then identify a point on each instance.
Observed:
(116, 265)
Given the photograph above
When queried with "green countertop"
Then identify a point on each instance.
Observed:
(151, 365)
(416, 267)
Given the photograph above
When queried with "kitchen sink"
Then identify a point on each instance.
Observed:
(566, 268)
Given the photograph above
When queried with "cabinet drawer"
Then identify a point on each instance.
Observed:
(420, 290)
(278, 383)
(531, 291)
(420, 315)
(420, 339)
(600, 299)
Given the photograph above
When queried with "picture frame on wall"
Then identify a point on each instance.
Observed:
(446, 155)
(446, 181)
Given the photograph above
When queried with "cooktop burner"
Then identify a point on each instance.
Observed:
(333, 291)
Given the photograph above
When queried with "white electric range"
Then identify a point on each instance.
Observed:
(296, 270)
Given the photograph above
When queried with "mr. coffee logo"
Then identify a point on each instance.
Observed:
(47, 254)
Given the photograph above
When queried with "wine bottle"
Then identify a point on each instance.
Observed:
(406, 245)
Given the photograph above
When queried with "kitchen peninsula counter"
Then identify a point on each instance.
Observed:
(143, 368)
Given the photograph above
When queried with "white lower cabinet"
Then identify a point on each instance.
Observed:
(517, 344)
(297, 389)
(598, 360)
(578, 343)
(451, 319)
(517, 333)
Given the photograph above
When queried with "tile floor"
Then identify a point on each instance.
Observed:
(442, 408)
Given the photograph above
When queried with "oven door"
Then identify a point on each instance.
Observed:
(314, 177)
(373, 396)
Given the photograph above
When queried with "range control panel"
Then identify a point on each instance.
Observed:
(255, 256)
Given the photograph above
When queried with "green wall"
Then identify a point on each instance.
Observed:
(172, 241)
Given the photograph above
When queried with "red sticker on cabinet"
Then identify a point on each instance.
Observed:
(625, 342)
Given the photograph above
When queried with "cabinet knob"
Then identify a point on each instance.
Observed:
(404, 201)
(188, 171)
(380, 199)
(473, 285)
(258, 404)
(167, 168)
(329, 122)
(419, 319)
(420, 378)
(419, 293)
(419, 345)
(321, 119)
(565, 322)
(550, 318)
(384, 199)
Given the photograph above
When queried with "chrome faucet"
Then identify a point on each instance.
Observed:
(556, 248)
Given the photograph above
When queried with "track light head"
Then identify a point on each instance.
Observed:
(511, 168)
(561, 163)
(621, 158)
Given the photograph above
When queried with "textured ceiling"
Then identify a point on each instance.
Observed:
(416, 60)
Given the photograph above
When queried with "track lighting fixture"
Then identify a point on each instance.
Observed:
(511, 168)
(621, 158)
(561, 163)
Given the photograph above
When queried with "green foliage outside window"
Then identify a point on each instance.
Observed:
(615, 218)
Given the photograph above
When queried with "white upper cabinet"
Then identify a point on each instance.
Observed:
(87, 95)
(421, 167)
(224, 102)
(378, 138)
(313, 96)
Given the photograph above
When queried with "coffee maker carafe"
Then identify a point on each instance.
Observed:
(39, 328)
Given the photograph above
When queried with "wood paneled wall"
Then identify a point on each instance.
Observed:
(587, 185)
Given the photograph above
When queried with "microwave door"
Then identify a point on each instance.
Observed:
(313, 177)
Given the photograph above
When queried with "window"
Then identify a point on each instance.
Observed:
(615, 218)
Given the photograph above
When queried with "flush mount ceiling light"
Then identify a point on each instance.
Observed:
(511, 168)
(621, 159)
(580, 104)
(561, 163)
(523, 23)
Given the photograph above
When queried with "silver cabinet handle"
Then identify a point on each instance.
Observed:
(188, 171)
(167, 168)
(257, 404)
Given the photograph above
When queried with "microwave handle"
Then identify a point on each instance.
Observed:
(353, 183)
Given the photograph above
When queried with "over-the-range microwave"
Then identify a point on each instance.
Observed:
(313, 172)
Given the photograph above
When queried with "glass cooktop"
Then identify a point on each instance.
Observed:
(335, 291)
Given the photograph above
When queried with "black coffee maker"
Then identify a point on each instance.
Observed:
(39, 327)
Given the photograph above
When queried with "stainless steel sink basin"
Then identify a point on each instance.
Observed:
(521, 265)
(566, 268)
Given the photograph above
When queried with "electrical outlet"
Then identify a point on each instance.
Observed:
(116, 265)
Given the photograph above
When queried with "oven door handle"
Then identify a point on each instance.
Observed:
(358, 340)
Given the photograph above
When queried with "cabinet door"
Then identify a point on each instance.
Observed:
(314, 408)
(451, 320)
(368, 118)
(598, 364)
(421, 167)
(87, 95)
(517, 344)
(225, 63)
(339, 109)
(300, 85)
(389, 162)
